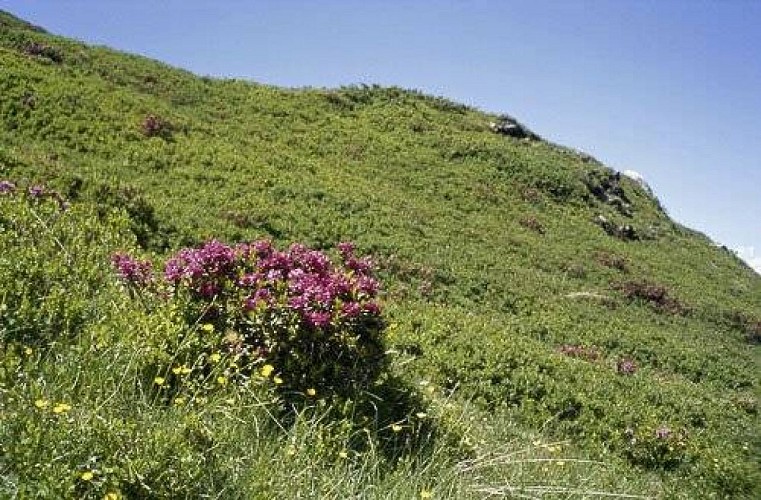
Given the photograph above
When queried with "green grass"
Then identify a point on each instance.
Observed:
(491, 261)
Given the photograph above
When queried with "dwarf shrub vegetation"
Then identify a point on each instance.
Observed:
(143, 357)
(50, 289)
(295, 315)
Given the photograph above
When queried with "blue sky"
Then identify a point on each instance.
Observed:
(671, 89)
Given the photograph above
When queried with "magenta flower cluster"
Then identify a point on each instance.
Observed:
(299, 279)
(133, 271)
(315, 319)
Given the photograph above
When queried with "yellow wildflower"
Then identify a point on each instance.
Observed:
(41, 403)
(111, 496)
(87, 475)
(277, 380)
(159, 381)
(28, 351)
(426, 494)
(421, 414)
(396, 427)
(221, 380)
(214, 358)
(61, 408)
(343, 454)
(207, 327)
(267, 370)
(179, 401)
(311, 392)
(181, 370)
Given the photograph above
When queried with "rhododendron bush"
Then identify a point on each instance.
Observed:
(313, 322)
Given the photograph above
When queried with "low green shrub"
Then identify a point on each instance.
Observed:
(52, 261)
(45, 51)
(657, 447)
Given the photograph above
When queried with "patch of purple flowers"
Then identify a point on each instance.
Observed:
(578, 351)
(37, 191)
(258, 276)
(626, 366)
(133, 271)
(316, 319)
(346, 249)
(351, 310)
(262, 297)
(7, 187)
(201, 268)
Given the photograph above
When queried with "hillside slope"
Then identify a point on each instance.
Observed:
(531, 286)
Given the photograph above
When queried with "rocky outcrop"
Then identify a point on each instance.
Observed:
(626, 232)
(639, 179)
(606, 187)
(509, 126)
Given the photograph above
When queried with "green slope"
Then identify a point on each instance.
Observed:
(502, 290)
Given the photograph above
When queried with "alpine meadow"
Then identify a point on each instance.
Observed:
(214, 288)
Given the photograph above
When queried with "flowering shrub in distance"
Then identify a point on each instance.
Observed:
(590, 354)
(310, 322)
(658, 447)
(7, 187)
(34, 193)
(155, 126)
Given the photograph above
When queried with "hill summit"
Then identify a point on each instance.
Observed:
(547, 328)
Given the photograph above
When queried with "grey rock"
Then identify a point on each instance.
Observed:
(509, 126)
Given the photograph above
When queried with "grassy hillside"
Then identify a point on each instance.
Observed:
(532, 347)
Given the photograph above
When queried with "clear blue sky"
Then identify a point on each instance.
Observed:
(671, 89)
